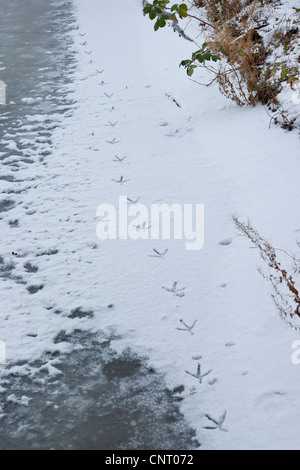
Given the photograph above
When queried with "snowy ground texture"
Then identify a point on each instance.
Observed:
(206, 151)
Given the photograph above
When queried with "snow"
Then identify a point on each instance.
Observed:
(207, 151)
(22, 401)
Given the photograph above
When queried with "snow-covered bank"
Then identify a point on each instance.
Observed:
(207, 151)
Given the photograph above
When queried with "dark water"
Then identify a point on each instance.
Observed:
(96, 399)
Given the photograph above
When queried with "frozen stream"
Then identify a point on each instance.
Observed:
(96, 398)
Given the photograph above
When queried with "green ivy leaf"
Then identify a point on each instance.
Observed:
(207, 56)
(156, 26)
(184, 63)
(174, 18)
(147, 10)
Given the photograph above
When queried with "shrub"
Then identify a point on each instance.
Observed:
(282, 279)
(250, 71)
(249, 63)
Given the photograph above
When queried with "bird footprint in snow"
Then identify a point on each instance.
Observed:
(111, 124)
(174, 290)
(199, 376)
(143, 227)
(113, 142)
(118, 159)
(131, 201)
(187, 328)
(121, 181)
(218, 424)
(159, 254)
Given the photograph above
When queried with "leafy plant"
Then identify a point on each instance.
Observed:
(159, 11)
(200, 56)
